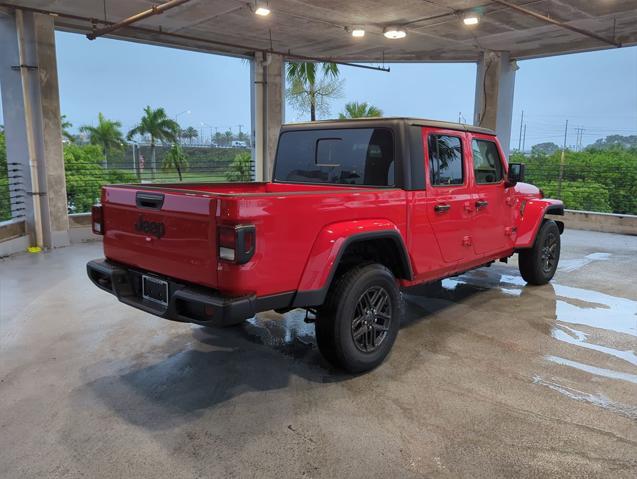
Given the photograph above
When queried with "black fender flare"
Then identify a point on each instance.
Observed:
(317, 297)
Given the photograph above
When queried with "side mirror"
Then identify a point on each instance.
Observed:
(515, 174)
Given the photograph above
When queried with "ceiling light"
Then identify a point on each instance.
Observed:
(262, 9)
(394, 33)
(358, 32)
(471, 19)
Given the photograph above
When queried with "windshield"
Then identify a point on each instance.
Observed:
(353, 156)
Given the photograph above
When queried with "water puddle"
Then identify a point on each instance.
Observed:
(595, 309)
(603, 372)
(595, 399)
(579, 338)
(288, 333)
(570, 265)
(608, 321)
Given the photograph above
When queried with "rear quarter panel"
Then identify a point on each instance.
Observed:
(288, 225)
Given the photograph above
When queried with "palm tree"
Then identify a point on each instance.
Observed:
(189, 133)
(175, 160)
(66, 124)
(307, 86)
(354, 109)
(158, 126)
(227, 138)
(106, 134)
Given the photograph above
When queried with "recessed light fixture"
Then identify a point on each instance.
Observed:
(394, 33)
(358, 32)
(261, 8)
(471, 18)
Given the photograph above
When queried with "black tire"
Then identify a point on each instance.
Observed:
(358, 324)
(538, 264)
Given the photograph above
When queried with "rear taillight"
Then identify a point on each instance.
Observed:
(97, 219)
(236, 244)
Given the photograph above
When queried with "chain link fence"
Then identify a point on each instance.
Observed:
(608, 187)
(87, 170)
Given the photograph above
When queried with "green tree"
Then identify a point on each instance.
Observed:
(355, 109)
(614, 141)
(159, 127)
(240, 168)
(107, 135)
(5, 198)
(311, 85)
(593, 179)
(189, 133)
(227, 138)
(85, 176)
(66, 124)
(219, 139)
(547, 148)
(175, 159)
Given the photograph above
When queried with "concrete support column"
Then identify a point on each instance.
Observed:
(268, 83)
(495, 84)
(31, 106)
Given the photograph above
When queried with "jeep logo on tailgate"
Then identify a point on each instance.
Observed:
(154, 228)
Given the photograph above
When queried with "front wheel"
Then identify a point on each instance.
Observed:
(359, 322)
(538, 264)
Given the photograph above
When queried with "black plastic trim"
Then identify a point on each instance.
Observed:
(416, 159)
(187, 303)
(149, 201)
(316, 297)
(554, 210)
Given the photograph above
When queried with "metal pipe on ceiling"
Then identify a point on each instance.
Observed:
(552, 21)
(245, 48)
(154, 10)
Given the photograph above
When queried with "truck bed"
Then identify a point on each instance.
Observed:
(171, 229)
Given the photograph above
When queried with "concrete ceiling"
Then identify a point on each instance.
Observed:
(317, 28)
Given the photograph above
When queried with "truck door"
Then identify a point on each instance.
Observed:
(491, 228)
(449, 197)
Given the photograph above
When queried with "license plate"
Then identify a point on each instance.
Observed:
(154, 289)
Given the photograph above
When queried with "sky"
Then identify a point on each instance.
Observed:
(596, 91)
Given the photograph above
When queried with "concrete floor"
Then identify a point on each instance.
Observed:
(488, 378)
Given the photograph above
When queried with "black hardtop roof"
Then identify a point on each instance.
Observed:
(387, 121)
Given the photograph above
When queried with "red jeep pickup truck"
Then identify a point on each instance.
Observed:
(356, 210)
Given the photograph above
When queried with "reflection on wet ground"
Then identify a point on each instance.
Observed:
(610, 319)
(595, 399)
(579, 317)
(570, 265)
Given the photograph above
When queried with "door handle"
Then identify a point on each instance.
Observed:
(441, 208)
(481, 204)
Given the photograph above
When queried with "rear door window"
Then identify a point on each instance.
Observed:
(445, 160)
(353, 156)
(487, 165)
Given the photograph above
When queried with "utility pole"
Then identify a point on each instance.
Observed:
(559, 184)
(524, 139)
(520, 138)
(578, 141)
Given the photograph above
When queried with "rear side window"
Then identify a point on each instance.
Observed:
(487, 165)
(355, 156)
(445, 160)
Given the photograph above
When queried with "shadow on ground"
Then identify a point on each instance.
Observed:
(262, 355)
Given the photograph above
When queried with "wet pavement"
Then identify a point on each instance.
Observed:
(488, 378)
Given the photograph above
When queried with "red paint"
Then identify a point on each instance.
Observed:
(301, 228)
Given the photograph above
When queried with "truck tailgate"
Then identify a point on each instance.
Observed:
(171, 233)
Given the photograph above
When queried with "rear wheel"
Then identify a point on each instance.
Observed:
(359, 322)
(538, 264)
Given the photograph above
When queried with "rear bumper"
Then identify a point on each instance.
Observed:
(187, 303)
